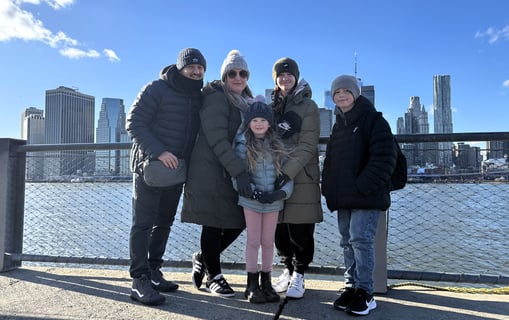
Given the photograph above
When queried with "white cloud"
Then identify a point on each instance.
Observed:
(493, 35)
(506, 84)
(55, 4)
(58, 4)
(75, 53)
(16, 23)
(112, 56)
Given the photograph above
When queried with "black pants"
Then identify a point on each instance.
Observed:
(153, 213)
(214, 241)
(295, 245)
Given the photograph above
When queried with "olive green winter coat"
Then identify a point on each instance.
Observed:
(209, 197)
(304, 206)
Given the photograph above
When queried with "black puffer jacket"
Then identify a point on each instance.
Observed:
(359, 160)
(164, 117)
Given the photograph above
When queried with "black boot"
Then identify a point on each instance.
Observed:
(267, 290)
(253, 292)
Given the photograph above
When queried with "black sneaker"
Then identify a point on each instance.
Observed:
(220, 287)
(143, 292)
(362, 303)
(198, 269)
(161, 284)
(344, 299)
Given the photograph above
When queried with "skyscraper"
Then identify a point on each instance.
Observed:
(110, 126)
(26, 113)
(268, 95)
(415, 121)
(368, 92)
(69, 119)
(326, 122)
(32, 130)
(443, 116)
(327, 100)
(416, 118)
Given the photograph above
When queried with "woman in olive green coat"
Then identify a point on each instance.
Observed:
(209, 197)
(298, 122)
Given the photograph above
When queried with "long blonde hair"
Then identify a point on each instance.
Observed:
(271, 144)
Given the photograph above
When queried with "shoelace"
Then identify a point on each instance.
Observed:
(222, 282)
(295, 284)
(283, 278)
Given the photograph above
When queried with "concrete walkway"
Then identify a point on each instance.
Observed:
(68, 293)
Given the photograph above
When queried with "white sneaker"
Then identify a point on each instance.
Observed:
(296, 288)
(281, 284)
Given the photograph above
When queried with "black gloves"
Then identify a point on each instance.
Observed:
(268, 197)
(244, 184)
(288, 124)
(281, 180)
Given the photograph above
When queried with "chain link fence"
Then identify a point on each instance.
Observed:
(434, 227)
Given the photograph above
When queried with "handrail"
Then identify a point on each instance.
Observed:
(402, 138)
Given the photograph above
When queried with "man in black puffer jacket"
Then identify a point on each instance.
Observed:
(163, 123)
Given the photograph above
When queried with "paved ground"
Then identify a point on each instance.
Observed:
(68, 293)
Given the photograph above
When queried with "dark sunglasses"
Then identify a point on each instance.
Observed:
(232, 74)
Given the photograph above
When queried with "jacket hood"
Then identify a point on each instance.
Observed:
(361, 107)
(172, 76)
(302, 91)
(212, 87)
(166, 71)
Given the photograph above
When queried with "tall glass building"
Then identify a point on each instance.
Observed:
(368, 92)
(327, 100)
(443, 116)
(69, 119)
(110, 128)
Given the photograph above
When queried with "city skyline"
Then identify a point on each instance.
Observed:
(70, 118)
(397, 47)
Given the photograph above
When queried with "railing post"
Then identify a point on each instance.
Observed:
(12, 201)
(380, 271)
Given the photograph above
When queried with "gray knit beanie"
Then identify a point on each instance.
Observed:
(346, 82)
(234, 60)
(190, 56)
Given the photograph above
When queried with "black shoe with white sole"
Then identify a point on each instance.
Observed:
(143, 292)
(220, 287)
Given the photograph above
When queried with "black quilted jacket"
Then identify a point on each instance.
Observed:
(163, 118)
(360, 157)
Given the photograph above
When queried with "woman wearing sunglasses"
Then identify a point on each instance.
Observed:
(209, 197)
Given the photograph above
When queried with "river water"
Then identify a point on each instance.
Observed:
(454, 228)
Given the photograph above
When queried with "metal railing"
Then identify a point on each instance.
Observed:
(454, 232)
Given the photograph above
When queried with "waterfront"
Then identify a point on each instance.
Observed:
(68, 293)
(454, 228)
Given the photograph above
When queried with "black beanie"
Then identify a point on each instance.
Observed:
(259, 110)
(190, 56)
(286, 65)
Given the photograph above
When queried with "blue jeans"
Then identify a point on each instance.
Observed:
(357, 228)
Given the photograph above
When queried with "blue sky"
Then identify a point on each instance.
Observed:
(112, 48)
